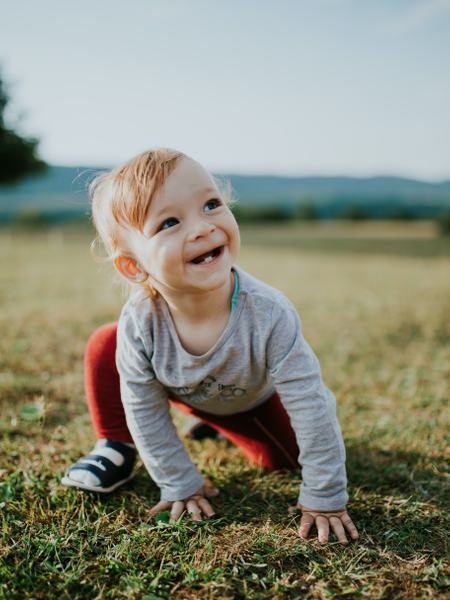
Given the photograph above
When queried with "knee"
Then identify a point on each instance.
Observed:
(102, 342)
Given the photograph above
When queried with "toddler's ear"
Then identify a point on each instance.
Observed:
(129, 269)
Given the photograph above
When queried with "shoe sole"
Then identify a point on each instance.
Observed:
(67, 481)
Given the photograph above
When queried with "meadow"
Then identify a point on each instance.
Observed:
(374, 299)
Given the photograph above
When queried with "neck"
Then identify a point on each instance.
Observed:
(197, 308)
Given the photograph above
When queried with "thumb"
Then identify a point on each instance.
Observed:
(210, 491)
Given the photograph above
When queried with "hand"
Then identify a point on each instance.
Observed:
(323, 519)
(196, 504)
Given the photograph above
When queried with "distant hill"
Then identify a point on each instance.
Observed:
(62, 193)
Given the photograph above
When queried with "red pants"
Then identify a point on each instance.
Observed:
(264, 433)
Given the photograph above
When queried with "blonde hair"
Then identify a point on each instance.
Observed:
(121, 198)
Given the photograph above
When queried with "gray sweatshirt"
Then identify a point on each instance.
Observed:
(261, 350)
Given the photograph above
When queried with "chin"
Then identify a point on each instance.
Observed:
(215, 280)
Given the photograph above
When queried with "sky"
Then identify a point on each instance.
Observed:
(280, 87)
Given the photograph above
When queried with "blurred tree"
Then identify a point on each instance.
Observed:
(402, 213)
(31, 218)
(306, 211)
(354, 212)
(443, 223)
(260, 213)
(18, 155)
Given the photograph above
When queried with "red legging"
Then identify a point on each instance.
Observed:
(264, 433)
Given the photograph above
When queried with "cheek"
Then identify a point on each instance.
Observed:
(237, 246)
(168, 254)
(147, 255)
(234, 232)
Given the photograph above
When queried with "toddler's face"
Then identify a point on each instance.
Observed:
(191, 238)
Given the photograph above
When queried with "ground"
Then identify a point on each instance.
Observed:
(374, 300)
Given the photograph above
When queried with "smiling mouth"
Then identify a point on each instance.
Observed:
(208, 257)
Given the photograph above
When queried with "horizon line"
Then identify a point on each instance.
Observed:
(310, 175)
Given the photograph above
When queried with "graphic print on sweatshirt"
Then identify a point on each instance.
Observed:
(208, 388)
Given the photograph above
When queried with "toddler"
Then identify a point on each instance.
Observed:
(200, 332)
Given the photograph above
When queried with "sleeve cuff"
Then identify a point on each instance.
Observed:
(337, 502)
(173, 493)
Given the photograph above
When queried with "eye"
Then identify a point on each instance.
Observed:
(169, 222)
(214, 203)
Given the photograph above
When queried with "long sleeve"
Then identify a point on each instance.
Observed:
(148, 418)
(311, 406)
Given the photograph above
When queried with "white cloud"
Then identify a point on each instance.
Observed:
(418, 16)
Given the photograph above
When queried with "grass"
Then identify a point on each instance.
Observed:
(389, 238)
(379, 323)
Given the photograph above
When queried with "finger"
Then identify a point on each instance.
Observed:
(323, 529)
(338, 528)
(162, 505)
(206, 507)
(305, 525)
(348, 523)
(293, 509)
(177, 511)
(194, 510)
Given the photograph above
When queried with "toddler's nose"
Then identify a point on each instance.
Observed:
(201, 228)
